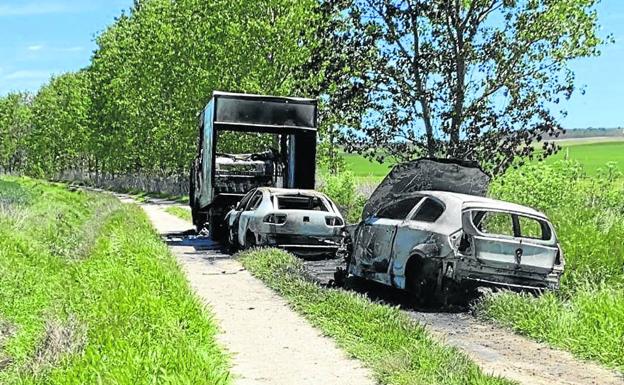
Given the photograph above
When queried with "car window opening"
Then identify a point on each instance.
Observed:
(398, 210)
(301, 202)
(501, 223)
(430, 211)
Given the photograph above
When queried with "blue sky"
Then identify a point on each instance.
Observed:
(39, 38)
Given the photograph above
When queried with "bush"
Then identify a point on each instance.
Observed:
(587, 315)
(341, 188)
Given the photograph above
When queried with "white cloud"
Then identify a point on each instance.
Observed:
(28, 75)
(36, 47)
(34, 8)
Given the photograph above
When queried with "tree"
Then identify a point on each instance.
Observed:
(157, 67)
(15, 123)
(470, 79)
(59, 138)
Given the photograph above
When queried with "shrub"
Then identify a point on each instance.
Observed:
(342, 189)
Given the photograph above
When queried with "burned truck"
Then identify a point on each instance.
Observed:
(218, 181)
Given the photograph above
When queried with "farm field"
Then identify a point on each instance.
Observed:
(89, 294)
(591, 153)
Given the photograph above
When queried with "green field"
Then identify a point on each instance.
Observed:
(593, 154)
(89, 294)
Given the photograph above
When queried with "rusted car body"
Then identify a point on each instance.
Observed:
(427, 240)
(304, 222)
(428, 228)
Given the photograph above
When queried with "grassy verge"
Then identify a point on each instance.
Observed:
(180, 213)
(586, 316)
(397, 349)
(89, 294)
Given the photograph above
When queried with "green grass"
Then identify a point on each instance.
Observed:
(586, 316)
(364, 168)
(396, 348)
(592, 155)
(180, 213)
(89, 294)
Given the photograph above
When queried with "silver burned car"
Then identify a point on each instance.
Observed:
(430, 241)
(305, 222)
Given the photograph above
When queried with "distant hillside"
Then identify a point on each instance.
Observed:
(592, 133)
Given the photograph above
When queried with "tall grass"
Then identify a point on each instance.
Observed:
(93, 296)
(587, 315)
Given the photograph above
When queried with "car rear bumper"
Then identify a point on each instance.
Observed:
(302, 244)
(509, 280)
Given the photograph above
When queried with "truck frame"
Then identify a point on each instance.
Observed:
(219, 181)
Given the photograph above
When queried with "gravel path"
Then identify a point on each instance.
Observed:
(269, 343)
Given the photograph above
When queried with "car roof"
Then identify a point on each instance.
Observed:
(473, 201)
(289, 191)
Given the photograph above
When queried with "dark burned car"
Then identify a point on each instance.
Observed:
(436, 231)
(304, 222)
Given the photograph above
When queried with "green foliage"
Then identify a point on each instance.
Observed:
(587, 315)
(15, 120)
(470, 80)
(60, 136)
(341, 188)
(396, 348)
(126, 313)
(134, 109)
(157, 67)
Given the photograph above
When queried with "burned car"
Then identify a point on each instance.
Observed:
(429, 242)
(304, 222)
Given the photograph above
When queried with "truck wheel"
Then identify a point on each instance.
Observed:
(216, 228)
(232, 241)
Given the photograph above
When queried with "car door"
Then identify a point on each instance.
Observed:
(247, 214)
(494, 238)
(538, 248)
(375, 240)
(417, 230)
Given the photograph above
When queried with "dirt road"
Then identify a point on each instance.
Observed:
(243, 303)
(269, 343)
(496, 350)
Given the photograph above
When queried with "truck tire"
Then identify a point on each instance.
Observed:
(216, 227)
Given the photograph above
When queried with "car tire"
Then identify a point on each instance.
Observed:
(250, 240)
(421, 281)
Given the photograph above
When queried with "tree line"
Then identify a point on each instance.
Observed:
(473, 79)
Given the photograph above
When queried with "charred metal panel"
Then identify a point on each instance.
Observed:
(428, 175)
(236, 112)
(304, 161)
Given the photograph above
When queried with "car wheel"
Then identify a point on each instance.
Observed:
(232, 242)
(250, 240)
(421, 280)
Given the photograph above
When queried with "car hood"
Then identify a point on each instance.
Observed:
(428, 175)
